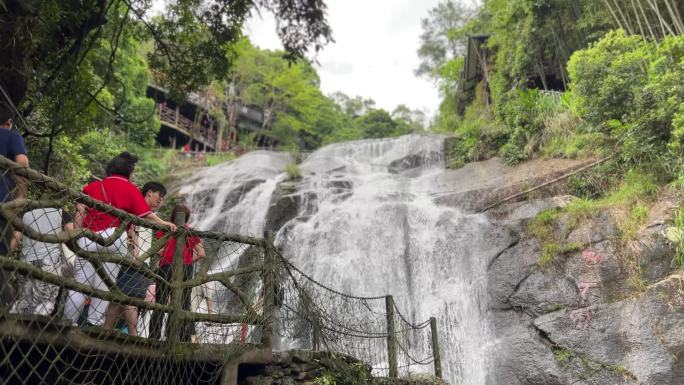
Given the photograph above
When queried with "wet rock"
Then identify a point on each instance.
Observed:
(416, 160)
(204, 198)
(236, 195)
(506, 272)
(599, 229)
(641, 334)
(286, 204)
(653, 252)
(521, 357)
(541, 293)
(340, 184)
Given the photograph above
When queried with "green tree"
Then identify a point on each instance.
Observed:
(47, 40)
(607, 75)
(352, 106)
(631, 89)
(378, 123)
(415, 119)
(443, 37)
(72, 67)
(288, 93)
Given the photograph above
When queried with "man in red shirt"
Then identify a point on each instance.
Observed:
(192, 251)
(118, 191)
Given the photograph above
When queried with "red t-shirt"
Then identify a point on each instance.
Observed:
(170, 248)
(120, 193)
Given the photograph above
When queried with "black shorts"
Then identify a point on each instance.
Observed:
(132, 283)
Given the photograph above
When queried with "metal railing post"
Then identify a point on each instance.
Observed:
(437, 359)
(391, 338)
(270, 291)
(175, 323)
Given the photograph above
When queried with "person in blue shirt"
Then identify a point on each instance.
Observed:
(13, 148)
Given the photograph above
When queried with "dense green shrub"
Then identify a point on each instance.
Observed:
(526, 113)
(632, 90)
(479, 135)
(606, 76)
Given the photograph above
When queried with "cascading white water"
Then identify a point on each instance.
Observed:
(233, 197)
(371, 227)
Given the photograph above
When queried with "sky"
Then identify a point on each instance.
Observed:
(374, 53)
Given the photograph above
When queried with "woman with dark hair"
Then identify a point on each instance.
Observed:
(192, 252)
(118, 191)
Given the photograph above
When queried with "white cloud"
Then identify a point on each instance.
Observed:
(336, 67)
(374, 53)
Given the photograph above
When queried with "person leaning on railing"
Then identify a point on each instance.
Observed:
(36, 296)
(193, 251)
(129, 280)
(118, 191)
(11, 147)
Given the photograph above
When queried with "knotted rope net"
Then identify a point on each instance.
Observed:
(84, 307)
(314, 316)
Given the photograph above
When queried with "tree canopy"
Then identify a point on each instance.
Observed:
(298, 114)
(71, 67)
(49, 41)
(571, 79)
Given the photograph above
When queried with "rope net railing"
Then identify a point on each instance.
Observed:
(314, 316)
(125, 305)
(85, 307)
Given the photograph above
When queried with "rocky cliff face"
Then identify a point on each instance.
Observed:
(600, 313)
(595, 309)
(583, 319)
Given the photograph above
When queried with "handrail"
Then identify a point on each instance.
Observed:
(262, 294)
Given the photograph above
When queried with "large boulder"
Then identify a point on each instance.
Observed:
(478, 185)
(599, 273)
(606, 312)
(654, 253)
(285, 205)
(640, 337)
(509, 269)
(416, 160)
(520, 356)
(541, 293)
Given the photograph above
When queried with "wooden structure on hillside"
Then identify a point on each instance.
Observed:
(189, 124)
(474, 70)
(545, 75)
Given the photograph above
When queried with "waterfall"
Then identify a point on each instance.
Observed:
(233, 197)
(368, 224)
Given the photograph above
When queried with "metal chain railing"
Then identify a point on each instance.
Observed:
(67, 311)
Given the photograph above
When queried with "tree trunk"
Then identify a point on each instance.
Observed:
(648, 24)
(628, 26)
(638, 19)
(268, 115)
(539, 64)
(663, 24)
(676, 18)
(612, 13)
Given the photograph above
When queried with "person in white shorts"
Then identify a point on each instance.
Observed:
(118, 191)
(35, 296)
